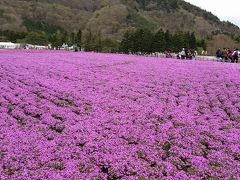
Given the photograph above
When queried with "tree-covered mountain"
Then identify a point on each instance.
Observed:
(112, 17)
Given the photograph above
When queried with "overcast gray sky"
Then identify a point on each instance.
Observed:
(225, 10)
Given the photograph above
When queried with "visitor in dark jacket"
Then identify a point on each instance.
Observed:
(219, 55)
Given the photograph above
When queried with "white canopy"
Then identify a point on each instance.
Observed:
(7, 45)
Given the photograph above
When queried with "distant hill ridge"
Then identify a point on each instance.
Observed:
(112, 17)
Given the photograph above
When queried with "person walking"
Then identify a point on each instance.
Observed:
(183, 54)
(229, 55)
(225, 55)
(219, 55)
(235, 56)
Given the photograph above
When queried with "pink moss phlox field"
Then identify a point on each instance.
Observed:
(70, 115)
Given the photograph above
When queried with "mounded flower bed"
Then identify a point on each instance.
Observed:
(83, 115)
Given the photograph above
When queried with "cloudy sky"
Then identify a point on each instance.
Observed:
(225, 10)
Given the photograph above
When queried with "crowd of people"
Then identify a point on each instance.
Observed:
(227, 55)
(222, 55)
(187, 54)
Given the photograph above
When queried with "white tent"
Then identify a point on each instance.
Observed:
(30, 46)
(7, 45)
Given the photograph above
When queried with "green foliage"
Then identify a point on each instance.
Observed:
(199, 50)
(111, 16)
(110, 45)
(199, 12)
(12, 36)
(168, 40)
(237, 39)
(98, 42)
(178, 41)
(168, 5)
(72, 39)
(93, 42)
(193, 41)
(202, 43)
(183, 39)
(79, 38)
(37, 26)
(1, 13)
(126, 43)
(37, 38)
(136, 20)
(159, 42)
(57, 39)
(138, 41)
(89, 41)
(142, 3)
(142, 40)
(173, 4)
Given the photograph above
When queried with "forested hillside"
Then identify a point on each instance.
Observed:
(109, 18)
(112, 17)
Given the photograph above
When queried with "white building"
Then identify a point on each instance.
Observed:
(30, 46)
(7, 45)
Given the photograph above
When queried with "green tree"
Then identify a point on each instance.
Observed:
(126, 43)
(98, 42)
(37, 38)
(178, 41)
(142, 40)
(93, 42)
(204, 44)
(88, 43)
(64, 37)
(142, 3)
(159, 42)
(12, 36)
(193, 41)
(72, 39)
(173, 4)
(57, 39)
(109, 45)
(79, 38)
(168, 40)
(186, 40)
